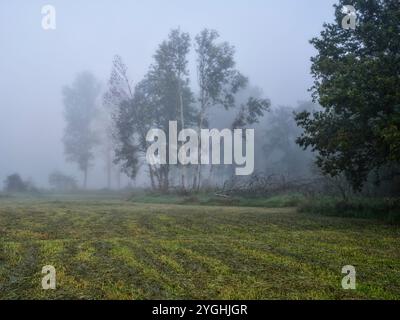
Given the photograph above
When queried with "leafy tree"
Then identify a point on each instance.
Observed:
(171, 69)
(357, 83)
(165, 95)
(14, 183)
(162, 96)
(171, 63)
(217, 78)
(80, 110)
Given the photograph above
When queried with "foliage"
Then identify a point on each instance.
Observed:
(251, 112)
(357, 83)
(219, 85)
(162, 96)
(385, 209)
(165, 95)
(218, 79)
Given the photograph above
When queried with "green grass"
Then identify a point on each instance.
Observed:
(207, 199)
(106, 248)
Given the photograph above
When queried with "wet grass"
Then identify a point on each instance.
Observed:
(210, 199)
(107, 248)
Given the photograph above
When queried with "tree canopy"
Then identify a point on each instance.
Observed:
(357, 83)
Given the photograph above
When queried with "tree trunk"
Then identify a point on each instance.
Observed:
(85, 174)
(198, 173)
(210, 174)
(158, 174)
(109, 164)
(153, 184)
(119, 178)
(166, 178)
(183, 127)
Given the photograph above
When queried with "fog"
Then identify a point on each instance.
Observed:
(272, 49)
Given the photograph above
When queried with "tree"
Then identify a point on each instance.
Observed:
(119, 90)
(62, 182)
(162, 96)
(80, 110)
(357, 83)
(171, 65)
(217, 78)
(219, 82)
(14, 183)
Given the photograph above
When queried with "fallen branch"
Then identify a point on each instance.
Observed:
(222, 196)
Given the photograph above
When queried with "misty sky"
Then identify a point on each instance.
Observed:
(271, 40)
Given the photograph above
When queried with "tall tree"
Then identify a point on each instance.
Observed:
(171, 65)
(80, 102)
(357, 82)
(162, 96)
(219, 82)
(119, 90)
(217, 78)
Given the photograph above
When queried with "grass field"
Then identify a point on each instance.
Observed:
(109, 248)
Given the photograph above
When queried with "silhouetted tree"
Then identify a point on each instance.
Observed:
(14, 183)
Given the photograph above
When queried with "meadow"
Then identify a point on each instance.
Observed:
(110, 247)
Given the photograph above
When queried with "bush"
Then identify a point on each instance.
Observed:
(386, 209)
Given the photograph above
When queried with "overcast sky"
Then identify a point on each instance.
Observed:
(271, 40)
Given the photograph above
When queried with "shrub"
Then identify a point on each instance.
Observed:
(386, 209)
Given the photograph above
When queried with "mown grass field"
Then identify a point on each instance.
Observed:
(110, 248)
